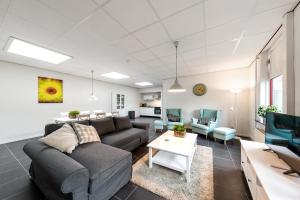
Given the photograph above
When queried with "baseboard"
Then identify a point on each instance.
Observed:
(20, 138)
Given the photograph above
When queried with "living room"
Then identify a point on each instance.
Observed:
(149, 99)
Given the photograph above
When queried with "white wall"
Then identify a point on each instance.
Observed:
(297, 59)
(218, 96)
(21, 115)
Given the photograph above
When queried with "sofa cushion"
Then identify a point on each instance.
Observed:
(49, 128)
(124, 137)
(85, 133)
(122, 123)
(63, 139)
(103, 126)
(201, 126)
(102, 161)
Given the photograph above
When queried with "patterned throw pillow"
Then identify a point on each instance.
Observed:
(204, 120)
(85, 133)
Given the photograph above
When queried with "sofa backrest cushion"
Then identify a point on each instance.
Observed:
(122, 123)
(104, 125)
(50, 128)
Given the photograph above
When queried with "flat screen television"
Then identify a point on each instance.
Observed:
(283, 130)
(282, 134)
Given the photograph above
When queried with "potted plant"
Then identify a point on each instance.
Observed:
(262, 111)
(179, 131)
(73, 114)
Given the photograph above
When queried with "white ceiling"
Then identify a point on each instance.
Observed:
(135, 37)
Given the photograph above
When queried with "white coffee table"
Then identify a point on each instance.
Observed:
(174, 152)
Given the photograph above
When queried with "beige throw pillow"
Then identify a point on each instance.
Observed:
(86, 134)
(63, 139)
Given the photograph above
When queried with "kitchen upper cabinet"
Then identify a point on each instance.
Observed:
(151, 97)
(148, 97)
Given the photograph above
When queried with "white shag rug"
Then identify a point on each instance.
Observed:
(171, 184)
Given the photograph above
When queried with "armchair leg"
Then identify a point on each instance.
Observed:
(215, 139)
(206, 136)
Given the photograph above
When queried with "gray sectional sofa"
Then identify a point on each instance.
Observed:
(93, 171)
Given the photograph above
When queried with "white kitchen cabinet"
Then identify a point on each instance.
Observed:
(148, 111)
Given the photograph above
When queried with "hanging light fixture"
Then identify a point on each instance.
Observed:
(176, 87)
(93, 97)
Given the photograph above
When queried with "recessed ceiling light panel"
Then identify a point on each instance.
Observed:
(115, 75)
(19, 47)
(144, 83)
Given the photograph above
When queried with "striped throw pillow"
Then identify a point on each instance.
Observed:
(85, 133)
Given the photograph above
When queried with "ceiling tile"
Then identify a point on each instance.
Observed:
(197, 62)
(102, 43)
(129, 44)
(152, 35)
(156, 63)
(266, 22)
(185, 23)
(171, 60)
(229, 32)
(143, 56)
(194, 55)
(221, 12)
(167, 7)
(100, 24)
(164, 49)
(192, 42)
(224, 49)
(101, 2)
(4, 4)
(2, 15)
(270, 4)
(25, 30)
(251, 45)
(132, 14)
(41, 15)
(73, 9)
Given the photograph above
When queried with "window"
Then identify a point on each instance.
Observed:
(276, 93)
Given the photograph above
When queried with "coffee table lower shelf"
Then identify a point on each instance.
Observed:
(174, 161)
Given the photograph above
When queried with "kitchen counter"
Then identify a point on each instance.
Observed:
(148, 111)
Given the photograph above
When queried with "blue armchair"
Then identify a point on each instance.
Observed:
(174, 117)
(214, 117)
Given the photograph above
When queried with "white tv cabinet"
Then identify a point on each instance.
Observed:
(263, 172)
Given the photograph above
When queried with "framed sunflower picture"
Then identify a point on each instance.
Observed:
(50, 90)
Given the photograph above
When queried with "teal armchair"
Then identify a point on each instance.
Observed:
(174, 117)
(214, 117)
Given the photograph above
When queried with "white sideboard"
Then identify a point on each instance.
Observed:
(263, 172)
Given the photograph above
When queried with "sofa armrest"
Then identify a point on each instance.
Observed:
(141, 125)
(63, 172)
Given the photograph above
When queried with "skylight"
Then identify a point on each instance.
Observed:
(144, 83)
(115, 75)
(19, 47)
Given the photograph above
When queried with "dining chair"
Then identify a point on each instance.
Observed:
(83, 117)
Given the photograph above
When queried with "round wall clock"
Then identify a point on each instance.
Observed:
(199, 89)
